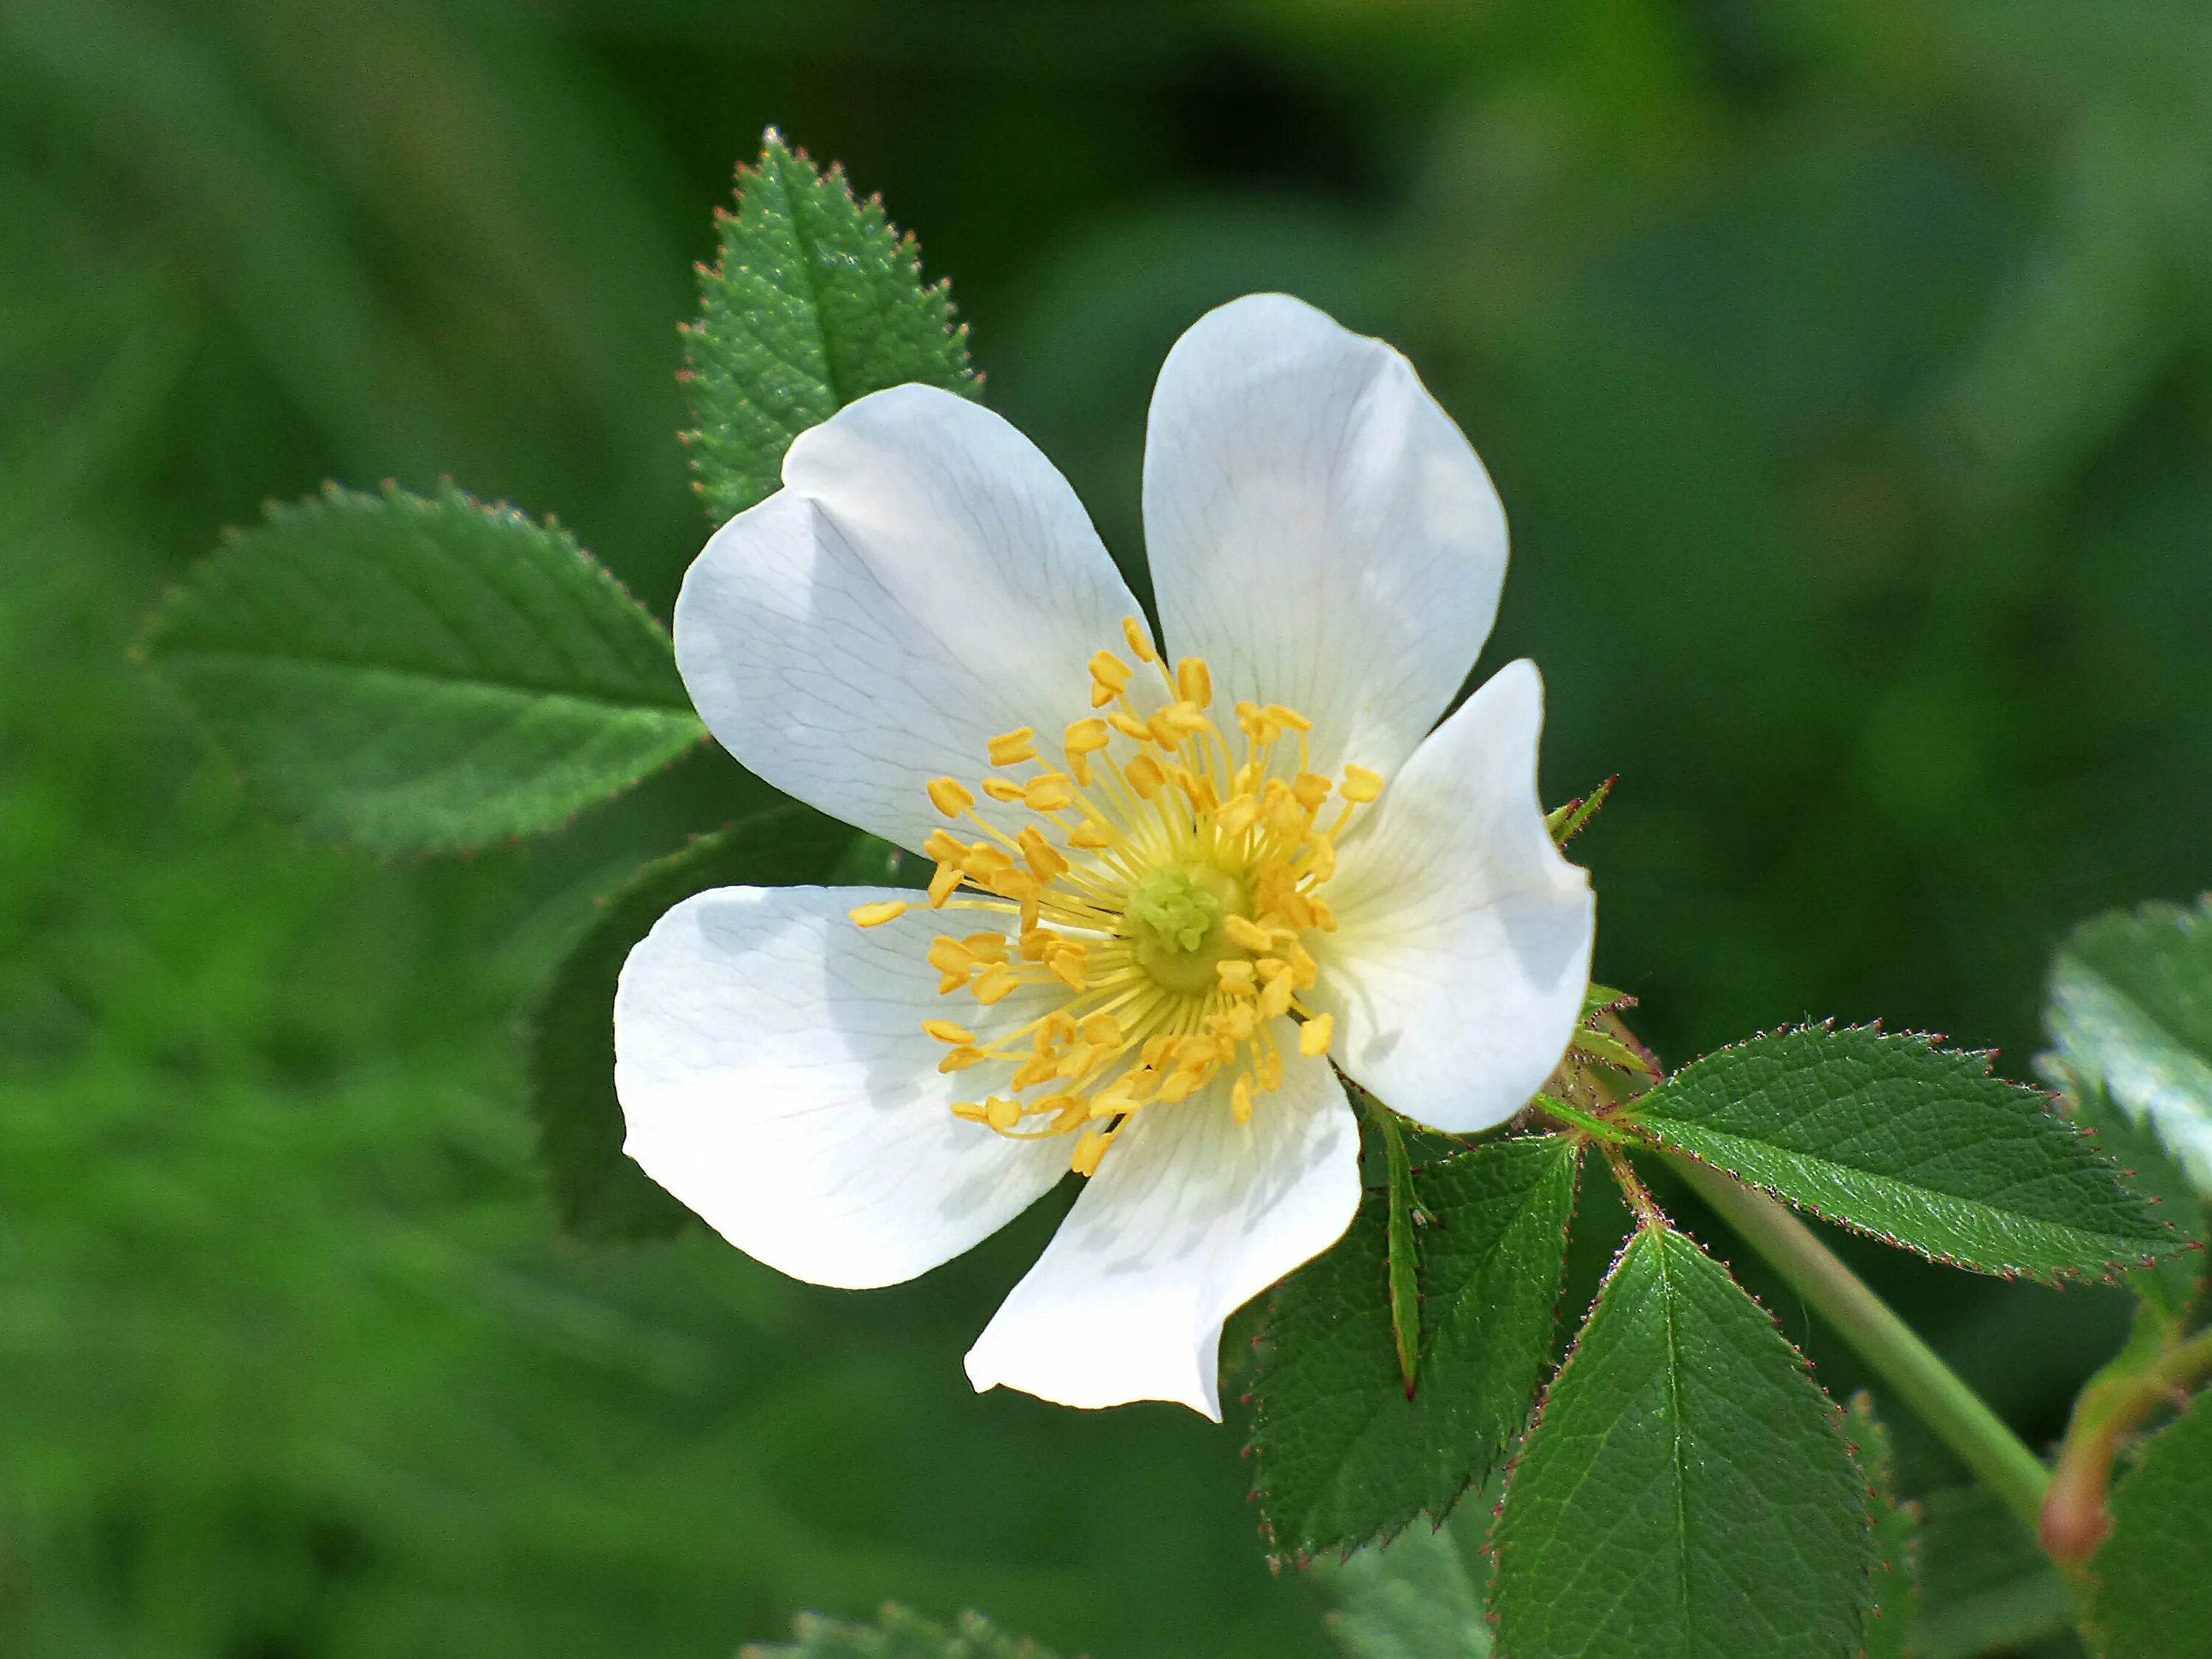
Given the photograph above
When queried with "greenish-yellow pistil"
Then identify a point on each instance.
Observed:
(1177, 921)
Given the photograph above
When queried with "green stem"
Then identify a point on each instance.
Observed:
(1938, 1394)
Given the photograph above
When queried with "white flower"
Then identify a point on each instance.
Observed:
(1167, 897)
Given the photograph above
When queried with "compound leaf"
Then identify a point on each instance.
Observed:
(411, 674)
(2153, 1597)
(1916, 1145)
(1342, 1455)
(1685, 1491)
(816, 301)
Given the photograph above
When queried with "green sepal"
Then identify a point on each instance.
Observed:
(897, 1633)
(417, 674)
(816, 301)
(1565, 822)
(597, 1193)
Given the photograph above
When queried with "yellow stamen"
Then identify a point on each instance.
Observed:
(1193, 682)
(876, 914)
(1315, 1034)
(1140, 642)
(943, 1031)
(1360, 785)
(949, 797)
(1013, 748)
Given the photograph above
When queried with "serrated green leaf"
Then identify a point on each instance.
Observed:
(1985, 1587)
(1685, 1491)
(1916, 1145)
(1416, 1597)
(2152, 1596)
(1341, 1455)
(1892, 1530)
(898, 1634)
(599, 1193)
(2173, 1284)
(817, 301)
(2131, 1005)
(410, 674)
(1405, 1261)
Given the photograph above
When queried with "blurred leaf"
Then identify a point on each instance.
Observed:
(1919, 1146)
(1889, 1620)
(898, 1634)
(1985, 1587)
(2131, 1006)
(2174, 1283)
(1343, 1455)
(1685, 1489)
(817, 301)
(421, 674)
(599, 1193)
(2152, 1592)
(1416, 1597)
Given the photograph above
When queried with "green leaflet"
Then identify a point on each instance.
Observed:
(2173, 1283)
(1893, 1527)
(408, 675)
(1416, 1597)
(1917, 1145)
(898, 1634)
(598, 1193)
(1341, 1455)
(2152, 1597)
(1985, 1586)
(1685, 1491)
(817, 301)
(2131, 1005)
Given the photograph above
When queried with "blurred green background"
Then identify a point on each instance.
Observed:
(1846, 372)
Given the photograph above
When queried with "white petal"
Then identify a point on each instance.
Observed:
(1191, 1215)
(1463, 947)
(1318, 528)
(772, 1068)
(924, 580)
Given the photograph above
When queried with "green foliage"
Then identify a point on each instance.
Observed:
(2174, 1283)
(600, 1194)
(1342, 1454)
(1917, 1145)
(2153, 1597)
(1894, 1526)
(1418, 1597)
(817, 301)
(413, 675)
(2130, 1006)
(1685, 1491)
(898, 1634)
(1985, 1587)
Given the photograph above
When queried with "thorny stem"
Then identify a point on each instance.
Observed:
(1959, 1415)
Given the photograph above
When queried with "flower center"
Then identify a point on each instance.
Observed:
(1166, 884)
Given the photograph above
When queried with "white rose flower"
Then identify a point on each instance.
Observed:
(1171, 889)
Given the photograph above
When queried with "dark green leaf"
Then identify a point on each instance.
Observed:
(898, 1634)
(2131, 1006)
(1985, 1587)
(1417, 1597)
(600, 1194)
(1917, 1145)
(817, 301)
(1685, 1491)
(1342, 1456)
(409, 674)
(1893, 1524)
(2173, 1283)
(2153, 1578)
(1405, 1261)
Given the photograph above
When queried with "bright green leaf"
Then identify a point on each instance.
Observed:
(2173, 1283)
(817, 301)
(1893, 1525)
(1916, 1145)
(898, 1634)
(1416, 1597)
(1685, 1491)
(1342, 1456)
(2153, 1595)
(599, 1193)
(2131, 1005)
(407, 674)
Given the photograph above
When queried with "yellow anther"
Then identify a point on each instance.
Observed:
(1296, 908)
(970, 1109)
(1236, 979)
(1065, 1110)
(1313, 1036)
(1068, 966)
(1087, 737)
(960, 1058)
(1195, 681)
(1018, 885)
(1110, 679)
(1304, 969)
(951, 982)
(1290, 719)
(1311, 789)
(1320, 862)
(1103, 1030)
(1002, 789)
(1035, 943)
(1090, 836)
(1128, 725)
(1158, 1051)
(941, 883)
(1180, 1086)
(1013, 748)
(1238, 1023)
(1274, 999)
(1323, 917)
(1141, 642)
(1247, 934)
(1001, 1113)
(987, 947)
(943, 1031)
(876, 914)
(1280, 810)
(1037, 1068)
(1044, 860)
(1270, 967)
(1059, 1027)
(1199, 789)
(949, 955)
(1270, 1076)
(1360, 784)
(1047, 792)
(983, 860)
(1237, 814)
(997, 982)
(944, 847)
(1162, 728)
(1254, 721)
(1090, 1147)
(1240, 1098)
(1146, 776)
(949, 796)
